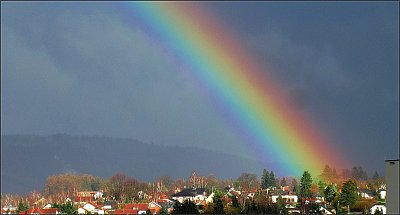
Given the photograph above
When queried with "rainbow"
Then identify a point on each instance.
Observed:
(240, 86)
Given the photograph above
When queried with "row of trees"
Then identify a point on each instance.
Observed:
(330, 175)
(70, 183)
(126, 188)
(260, 204)
(347, 196)
(268, 179)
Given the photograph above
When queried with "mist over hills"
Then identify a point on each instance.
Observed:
(27, 160)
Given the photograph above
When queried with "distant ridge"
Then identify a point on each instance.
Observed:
(27, 160)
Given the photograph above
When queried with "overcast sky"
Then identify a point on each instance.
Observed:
(83, 69)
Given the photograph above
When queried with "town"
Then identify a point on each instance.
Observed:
(327, 193)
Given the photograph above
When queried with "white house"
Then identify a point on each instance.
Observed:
(93, 208)
(81, 210)
(47, 206)
(289, 198)
(98, 195)
(382, 193)
(210, 198)
(251, 195)
(374, 208)
(326, 210)
(197, 195)
(366, 194)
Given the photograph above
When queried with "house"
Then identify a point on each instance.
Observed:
(110, 205)
(382, 193)
(365, 193)
(142, 195)
(163, 198)
(182, 196)
(376, 207)
(5, 211)
(154, 207)
(287, 196)
(83, 199)
(140, 208)
(92, 208)
(47, 206)
(210, 198)
(251, 195)
(198, 195)
(89, 193)
(82, 210)
(49, 211)
(8, 209)
(327, 209)
(98, 195)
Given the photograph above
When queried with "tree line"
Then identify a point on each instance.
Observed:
(338, 189)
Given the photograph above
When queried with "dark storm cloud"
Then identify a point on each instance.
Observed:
(338, 63)
(79, 68)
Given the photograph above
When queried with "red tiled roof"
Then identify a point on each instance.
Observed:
(30, 211)
(163, 196)
(126, 211)
(96, 205)
(48, 211)
(137, 206)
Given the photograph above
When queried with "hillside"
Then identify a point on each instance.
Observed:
(28, 160)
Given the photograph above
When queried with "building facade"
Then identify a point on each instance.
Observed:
(392, 186)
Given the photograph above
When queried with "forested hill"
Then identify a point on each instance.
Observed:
(28, 160)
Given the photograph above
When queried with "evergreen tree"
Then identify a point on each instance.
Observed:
(280, 206)
(22, 207)
(283, 182)
(264, 179)
(321, 186)
(235, 202)
(164, 210)
(218, 207)
(330, 193)
(66, 208)
(358, 173)
(253, 207)
(305, 185)
(272, 180)
(349, 194)
(187, 207)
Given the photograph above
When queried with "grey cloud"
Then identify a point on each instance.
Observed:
(100, 76)
(81, 69)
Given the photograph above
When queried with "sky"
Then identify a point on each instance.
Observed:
(83, 68)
